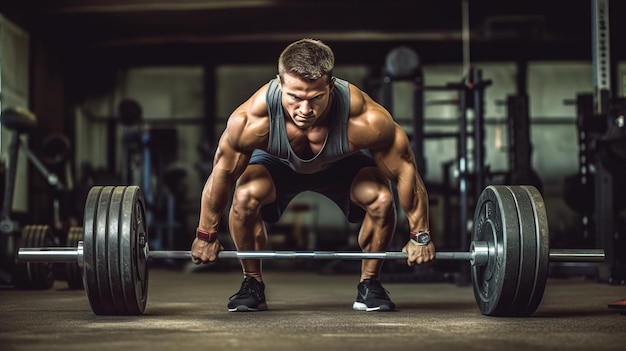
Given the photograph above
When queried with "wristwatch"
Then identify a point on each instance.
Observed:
(421, 238)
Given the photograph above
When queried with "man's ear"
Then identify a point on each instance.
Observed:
(280, 82)
(331, 83)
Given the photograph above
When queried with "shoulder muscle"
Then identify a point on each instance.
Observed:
(371, 125)
(248, 126)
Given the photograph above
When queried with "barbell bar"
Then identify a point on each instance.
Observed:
(509, 251)
(70, 254)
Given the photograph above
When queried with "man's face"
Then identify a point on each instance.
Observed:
(305, 101)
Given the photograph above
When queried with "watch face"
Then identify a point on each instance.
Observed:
(423, 238)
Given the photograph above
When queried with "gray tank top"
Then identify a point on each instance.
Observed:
(336, 144)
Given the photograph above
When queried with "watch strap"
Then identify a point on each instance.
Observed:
(415, 234)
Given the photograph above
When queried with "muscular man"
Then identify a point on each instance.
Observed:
(307, 130)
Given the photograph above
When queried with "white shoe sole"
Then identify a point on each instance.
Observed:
(244, 308)
(360, 306)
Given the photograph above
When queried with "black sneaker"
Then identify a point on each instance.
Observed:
(372, 296)
(250, 298)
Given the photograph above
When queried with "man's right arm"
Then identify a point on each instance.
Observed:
(247, 129)
(228, 165)
(231, 159)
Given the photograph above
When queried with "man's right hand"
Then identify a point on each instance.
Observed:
(203, 251)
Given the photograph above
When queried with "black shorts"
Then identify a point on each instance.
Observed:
(334, 183)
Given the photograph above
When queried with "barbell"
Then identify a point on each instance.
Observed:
(476, 258)
(509, 251)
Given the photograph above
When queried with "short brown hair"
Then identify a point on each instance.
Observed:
(308, 58)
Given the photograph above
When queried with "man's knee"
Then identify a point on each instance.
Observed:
(383, 206)
(245, 203)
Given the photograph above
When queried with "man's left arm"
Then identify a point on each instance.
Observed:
(398, 162)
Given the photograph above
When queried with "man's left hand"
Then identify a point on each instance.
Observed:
(419, 253)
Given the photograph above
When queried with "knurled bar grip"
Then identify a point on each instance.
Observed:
(69, 254)
(314, 255)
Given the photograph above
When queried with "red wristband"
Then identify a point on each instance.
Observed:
(208, 237)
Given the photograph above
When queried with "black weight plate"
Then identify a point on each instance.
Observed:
(115, 250)
(496, 223)
(20, 277)
(92, 224)
(36, 275)
(73, 272)
(32, 275)
(133, 243)
(528, 253)
(111, 241)
(543, 249)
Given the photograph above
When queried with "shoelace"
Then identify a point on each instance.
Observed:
(376, 290)
(245, 291)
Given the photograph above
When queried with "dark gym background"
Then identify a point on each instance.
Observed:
(137, 92)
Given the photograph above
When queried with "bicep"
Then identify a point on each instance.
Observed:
(247, 129)
(395, 158)
(234, 147)
(229, 161)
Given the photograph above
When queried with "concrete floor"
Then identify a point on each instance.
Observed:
(309, 311)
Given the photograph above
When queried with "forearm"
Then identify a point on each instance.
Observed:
(413, 198)
(215, 196)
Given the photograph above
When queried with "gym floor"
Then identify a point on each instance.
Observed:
(186, 310)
